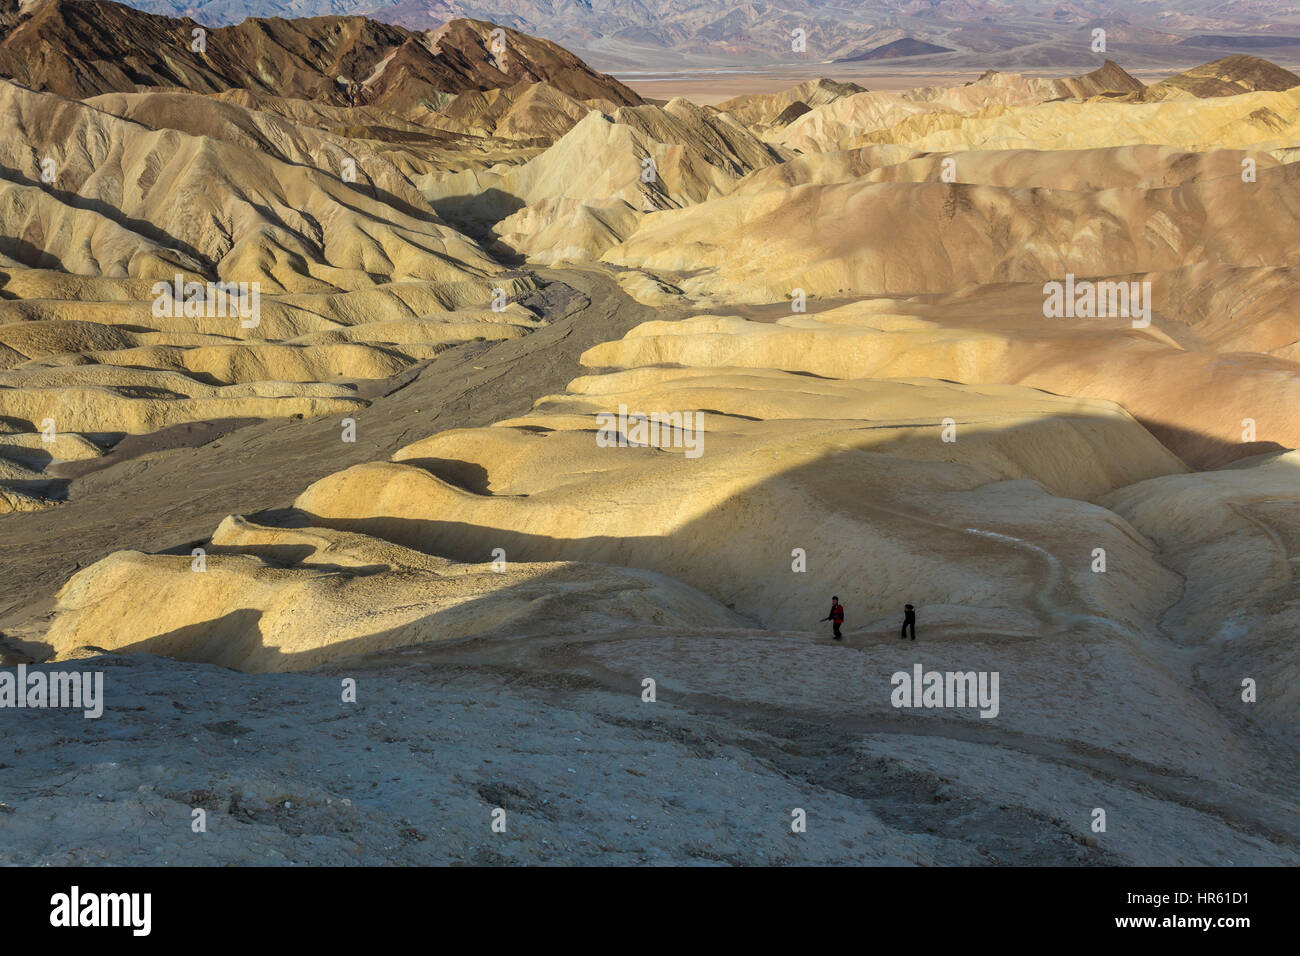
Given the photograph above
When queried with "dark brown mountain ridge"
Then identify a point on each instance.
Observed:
(80, 48)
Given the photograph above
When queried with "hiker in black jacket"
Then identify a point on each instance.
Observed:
(909, 620)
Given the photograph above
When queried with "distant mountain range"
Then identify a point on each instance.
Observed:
(1004, 34)
(86, 48)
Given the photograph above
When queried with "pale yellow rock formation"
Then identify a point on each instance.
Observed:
(272, 599)
(854, 472)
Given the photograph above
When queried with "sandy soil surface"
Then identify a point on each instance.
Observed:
(747, 727)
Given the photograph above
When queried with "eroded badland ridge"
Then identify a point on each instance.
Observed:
(330, 351)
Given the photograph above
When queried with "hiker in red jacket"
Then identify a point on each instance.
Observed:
(836, 617)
